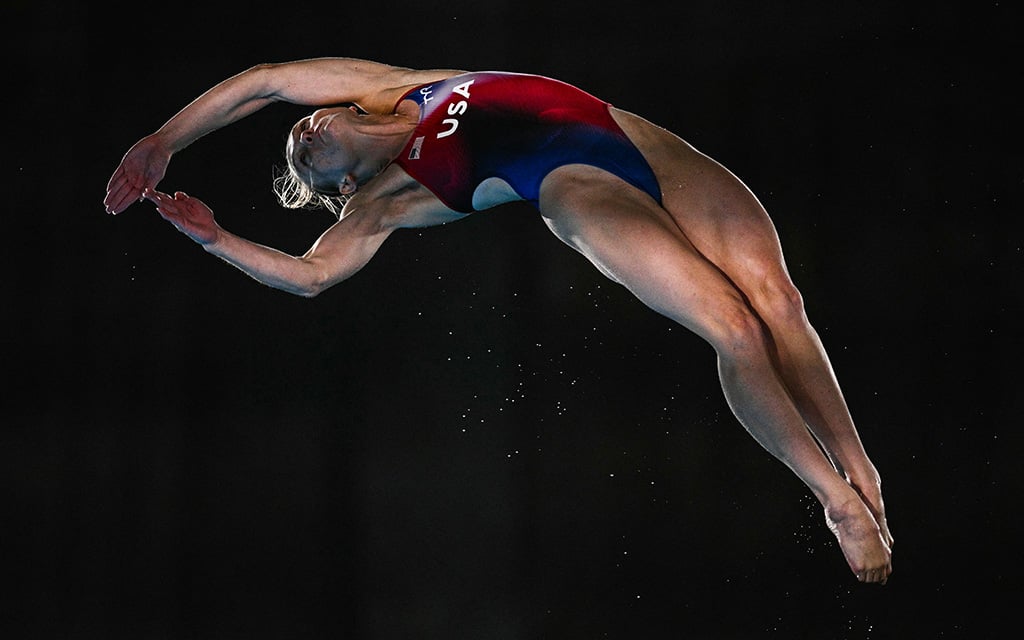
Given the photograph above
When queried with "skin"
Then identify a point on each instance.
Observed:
(711, 260)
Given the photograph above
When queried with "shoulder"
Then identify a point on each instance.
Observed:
(398, 82)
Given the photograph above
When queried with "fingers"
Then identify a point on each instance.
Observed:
(179, 202)
(165, 204)
(155, 194)
(120, 198)
(117, 175)
(121, 193)
(175, 209)
(168, 208)
(158, 198)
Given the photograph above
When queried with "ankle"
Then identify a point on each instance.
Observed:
(866, 482)
(844, 508)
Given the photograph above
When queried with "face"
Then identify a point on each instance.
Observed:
(317, 150)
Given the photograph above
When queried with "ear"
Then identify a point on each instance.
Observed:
(348, 185)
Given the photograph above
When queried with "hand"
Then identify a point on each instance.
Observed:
(189, 215)
(142, 168)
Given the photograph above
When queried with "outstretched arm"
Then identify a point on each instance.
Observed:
(322, 81)
(341, 251)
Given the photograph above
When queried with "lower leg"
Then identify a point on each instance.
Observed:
(807, 374)
(760, 402)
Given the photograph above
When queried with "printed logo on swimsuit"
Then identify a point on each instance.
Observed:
(456, 109)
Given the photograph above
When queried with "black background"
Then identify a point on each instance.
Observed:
(478, 436)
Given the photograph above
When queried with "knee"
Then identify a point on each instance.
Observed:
(737, 331)
(779, 303)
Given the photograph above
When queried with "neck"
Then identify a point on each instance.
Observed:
(384, 136)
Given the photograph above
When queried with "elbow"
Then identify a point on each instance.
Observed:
(316, 282)
(309, 292)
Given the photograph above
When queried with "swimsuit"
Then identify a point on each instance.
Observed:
(515, 127)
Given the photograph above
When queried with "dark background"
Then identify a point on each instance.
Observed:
(478, 436)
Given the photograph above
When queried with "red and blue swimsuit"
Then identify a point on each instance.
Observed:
(515, 127)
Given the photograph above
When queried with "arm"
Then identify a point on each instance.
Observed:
(340, 252)
(315, 82)
(321, 81)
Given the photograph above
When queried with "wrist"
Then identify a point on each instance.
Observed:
(162, 141)
(216, 241)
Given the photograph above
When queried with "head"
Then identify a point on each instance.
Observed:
(321, 168)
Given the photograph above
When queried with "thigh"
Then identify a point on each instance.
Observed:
(714, 209)
(632, 240)
(727, 223)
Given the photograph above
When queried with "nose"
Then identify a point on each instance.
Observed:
(307, 127)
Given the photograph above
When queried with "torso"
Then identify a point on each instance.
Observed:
(402, 197)
(488, 138)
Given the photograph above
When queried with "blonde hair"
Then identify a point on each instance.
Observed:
(295, 193)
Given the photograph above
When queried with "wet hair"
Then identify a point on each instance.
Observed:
(296, 192)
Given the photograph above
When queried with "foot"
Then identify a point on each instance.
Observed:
(869, 488)
(862, 540)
